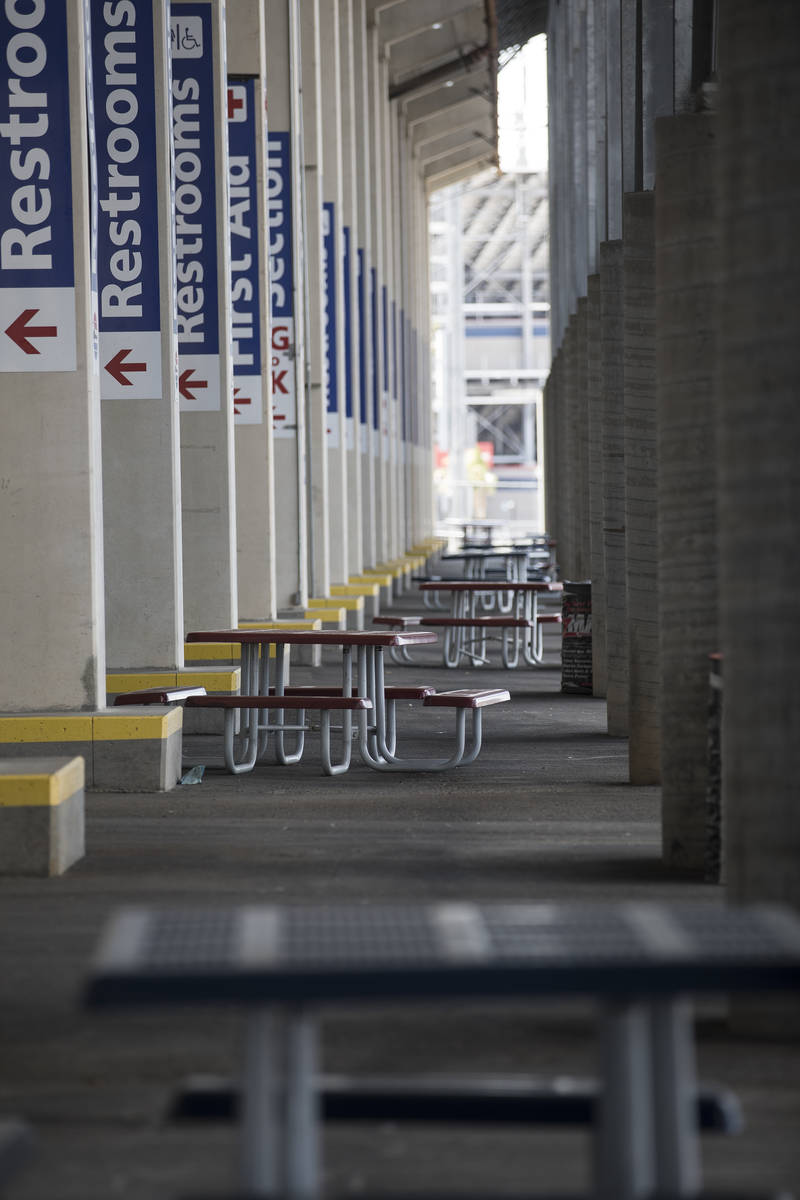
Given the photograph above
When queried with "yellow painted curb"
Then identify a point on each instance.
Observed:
(354, 589)
(42, 790)
(351, 603)
(326, 615)
(289, 623)
(383, 578)
(120, 725)
(211, 680)
(205, 651)
(61, 728)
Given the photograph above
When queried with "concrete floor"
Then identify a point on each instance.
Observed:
(544, 813)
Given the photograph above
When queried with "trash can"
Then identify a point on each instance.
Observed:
(576, 638)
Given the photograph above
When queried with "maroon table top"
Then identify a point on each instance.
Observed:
(315, 637)
(491, 585)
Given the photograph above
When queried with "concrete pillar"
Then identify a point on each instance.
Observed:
(597, 563)
(316, 390)
(658, 88)
(630, 40)
(641, 501)
(613, 116)
(136, 289)
(255, 467)
(686, 277)
(330, 128)
(397, 246)
(51, 519)
(375, 105)
(351, 333)
(205, 374)
(567, 456)
(580, 464)
(286, 249)
(363, 281)
(757, 382)
(613, 458)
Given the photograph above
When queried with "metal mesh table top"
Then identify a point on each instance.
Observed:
(316, 953)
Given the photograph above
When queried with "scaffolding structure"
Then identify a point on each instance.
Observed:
(490, 307)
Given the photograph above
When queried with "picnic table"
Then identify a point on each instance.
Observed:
(519, 623)
(363, 697)
(283, 964)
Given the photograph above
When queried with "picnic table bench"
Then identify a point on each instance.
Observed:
(638, 962)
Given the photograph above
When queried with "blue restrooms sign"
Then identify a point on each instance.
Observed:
(347, 293)
(248, 406)
(193, 128)
(329, 322)
(281, 284)
(363, 394)
(127, 247)
(37, 272)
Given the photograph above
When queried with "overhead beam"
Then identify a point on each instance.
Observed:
(457, 173)
(468, 116)
(420, 16)
(459, 139)
(441, 100)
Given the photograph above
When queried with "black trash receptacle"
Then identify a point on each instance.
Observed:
(576, 638)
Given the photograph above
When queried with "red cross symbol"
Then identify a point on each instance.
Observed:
(234, 102)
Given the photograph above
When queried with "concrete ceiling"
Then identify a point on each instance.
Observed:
(442, 60)
(442, 57)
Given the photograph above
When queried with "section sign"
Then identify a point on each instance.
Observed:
(329, 322)
(127, 248)
(376, 400)
(347, 290)
(281, 284)
(37, 271)
(363, 395)
(197, 327)
(384, 416)
(248, 406)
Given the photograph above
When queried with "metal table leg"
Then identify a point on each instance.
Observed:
(280, 1128)
(674, 1098)
(624, 1149)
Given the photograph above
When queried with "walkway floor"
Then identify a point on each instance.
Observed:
(544, 813)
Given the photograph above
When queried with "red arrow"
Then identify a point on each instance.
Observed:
(184, 383)
(19, 331)
(117, 366)
(244, 400)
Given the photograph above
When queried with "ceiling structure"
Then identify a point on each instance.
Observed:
(442, 60)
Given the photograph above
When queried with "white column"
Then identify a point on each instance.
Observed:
(351, 233)
(136, 289)
(363, 280)
(51, 585)
(376, 107)
(287, 361)
(330, 118)
(205, 377)
(316, 391)
(255, 468)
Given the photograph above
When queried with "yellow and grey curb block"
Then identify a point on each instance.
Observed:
(124, 750)
(353, 606)
(42, 825)
(220, 681)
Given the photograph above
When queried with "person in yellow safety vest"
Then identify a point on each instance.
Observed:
(482, 479)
